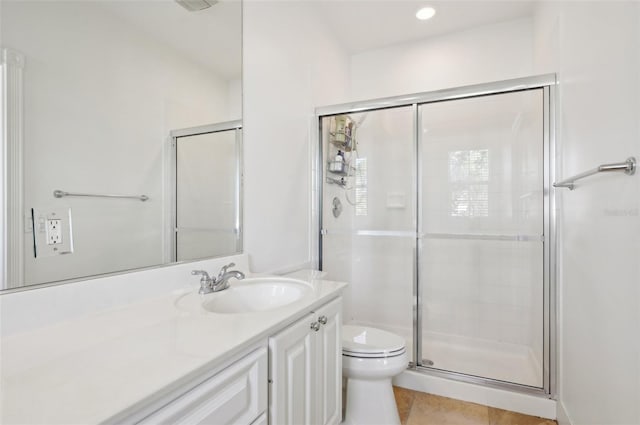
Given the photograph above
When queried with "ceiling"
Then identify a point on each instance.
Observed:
(211, 37)
(370, 24)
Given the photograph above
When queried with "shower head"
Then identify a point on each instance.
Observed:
(195, 5)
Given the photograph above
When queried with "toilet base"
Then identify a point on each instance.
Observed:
(370, 402)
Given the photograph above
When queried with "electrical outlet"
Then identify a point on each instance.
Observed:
(54, 231)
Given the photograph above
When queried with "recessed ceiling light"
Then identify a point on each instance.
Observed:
(425, 13)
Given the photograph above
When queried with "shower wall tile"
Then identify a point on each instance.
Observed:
(481, 289)
(383, 281)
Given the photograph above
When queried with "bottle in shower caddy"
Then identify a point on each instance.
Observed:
(337, 165)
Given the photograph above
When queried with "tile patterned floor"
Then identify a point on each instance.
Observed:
(418, 408)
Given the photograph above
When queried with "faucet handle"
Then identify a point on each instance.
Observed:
(202, 273)
(224, 269)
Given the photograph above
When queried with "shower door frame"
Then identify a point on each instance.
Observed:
(547, 83)
(172, 229)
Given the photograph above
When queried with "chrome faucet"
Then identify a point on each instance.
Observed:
(219, 283)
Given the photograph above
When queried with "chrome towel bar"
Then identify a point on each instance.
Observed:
(629, 168)
(62, 194)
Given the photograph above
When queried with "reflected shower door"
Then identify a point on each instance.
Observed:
(207, 195)
(481, 227)
(368, 214)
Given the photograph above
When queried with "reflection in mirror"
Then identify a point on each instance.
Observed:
(93, 90)
(207, 192)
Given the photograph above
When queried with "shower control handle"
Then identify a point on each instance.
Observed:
(322, 320)
(315, 326)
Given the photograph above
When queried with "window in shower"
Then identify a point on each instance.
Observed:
(468, 179)
(361, 186)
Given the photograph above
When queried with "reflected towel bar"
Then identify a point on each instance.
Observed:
(629, 168)
(61, 194)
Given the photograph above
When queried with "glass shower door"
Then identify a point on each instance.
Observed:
(369, 214)
(207, 193)
(481, 244)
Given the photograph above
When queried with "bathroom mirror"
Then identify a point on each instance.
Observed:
(93, 91)
(207, 165)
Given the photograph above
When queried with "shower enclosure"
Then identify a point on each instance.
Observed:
(437, 208)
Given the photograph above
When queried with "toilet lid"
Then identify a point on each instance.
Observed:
(361, 341)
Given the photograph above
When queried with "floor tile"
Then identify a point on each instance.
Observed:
(504, 417)
(404, 401)
(429, 409)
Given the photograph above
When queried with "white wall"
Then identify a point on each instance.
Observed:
(291, 65)
(100, 99)
(595, 48)
(478, 55)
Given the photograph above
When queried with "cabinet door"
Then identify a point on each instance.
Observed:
(292, 390)
(237, 395)
(329, 370)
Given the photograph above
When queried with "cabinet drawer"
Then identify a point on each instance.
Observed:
(237, 395)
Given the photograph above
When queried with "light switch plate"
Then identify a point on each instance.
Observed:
(52, 231)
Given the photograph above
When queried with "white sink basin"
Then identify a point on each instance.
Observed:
(250, 295)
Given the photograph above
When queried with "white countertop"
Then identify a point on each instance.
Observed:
(108, 364)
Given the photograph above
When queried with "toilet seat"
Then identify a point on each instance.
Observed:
(364, 342)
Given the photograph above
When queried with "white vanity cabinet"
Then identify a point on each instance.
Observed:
(305, 375)
(236, 395)
(291, 377)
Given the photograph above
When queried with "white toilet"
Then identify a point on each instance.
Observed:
(370, 359)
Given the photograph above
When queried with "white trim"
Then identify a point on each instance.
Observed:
(207, 128)
(563, 416)
(496, 87)
(168, 190)
(502, 399)
(12, 65)
(3, 178)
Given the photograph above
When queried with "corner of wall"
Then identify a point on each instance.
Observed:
(562, 415)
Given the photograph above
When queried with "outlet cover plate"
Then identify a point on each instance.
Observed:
(42, 219)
